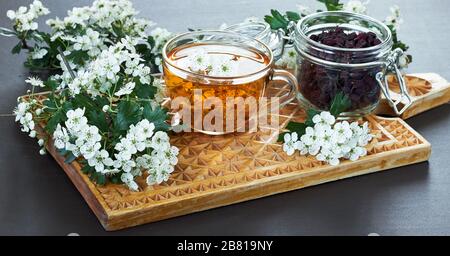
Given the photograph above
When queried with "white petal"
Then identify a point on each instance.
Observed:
(294, 136)
(287, 137)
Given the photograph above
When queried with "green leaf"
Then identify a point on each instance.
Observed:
(62, 151)
(277, 20)
(151, 42)
(128, 114)
(67, 105)
(50, 103)
(100, 178)
(87, 169)
(16, 49)
(51, 84)
(340, 103)
(84, 101)
(115, 178)
(144, 91)
(58, 117)
(78, 57)
(310, 114)
(7, 32)
(58, 114)
(142, 49)
(332, 5)
(98, 118)
(281, 136)
(157, 116)
(410, 58)
(70, 157)
(299, 128)
(117, 30)
(296, 127)
(293, 16)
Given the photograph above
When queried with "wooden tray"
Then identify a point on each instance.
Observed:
(428, 90)
(215, 171)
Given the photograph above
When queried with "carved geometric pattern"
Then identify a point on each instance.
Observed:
(416, 86)
(208, 162)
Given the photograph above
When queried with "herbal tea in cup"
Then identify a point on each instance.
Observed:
(219, 78)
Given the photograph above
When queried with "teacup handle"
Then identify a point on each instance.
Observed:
(291, 80)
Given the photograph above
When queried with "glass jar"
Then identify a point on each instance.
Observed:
(262, 31)
(359, 73)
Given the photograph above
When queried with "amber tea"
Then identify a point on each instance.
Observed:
(236, 73)
(221, 78)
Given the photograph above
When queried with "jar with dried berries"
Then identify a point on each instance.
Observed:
(342, 52)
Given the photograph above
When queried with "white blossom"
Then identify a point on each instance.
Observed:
(394, 18)
(330, 141)
(324, 119)
(327, 155)
(199, 60)
(403, 61)
(100, 160)
(126, 89)
(21, 110)
(32, 134)
(290, 143)
(88, 30)
(38, 111)
(160, 141)
(76, 121)
(38, 53)
(161, 35)
(60, 137)
(34, 81)
(288, 59)
(356, 6)
(223, 68)
(24, 116)
(128, 179)
(343, 131)
(90, 42)
(312, 136)
(24, 18)
(38, 8)
(56, 24)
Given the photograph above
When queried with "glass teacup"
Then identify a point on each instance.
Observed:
(212, 72)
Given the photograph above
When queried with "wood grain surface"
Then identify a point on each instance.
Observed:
(215, 171)
(427, 90)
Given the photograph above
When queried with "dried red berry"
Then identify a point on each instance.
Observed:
(319, 84)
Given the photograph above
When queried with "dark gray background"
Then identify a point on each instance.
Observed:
(36, 197)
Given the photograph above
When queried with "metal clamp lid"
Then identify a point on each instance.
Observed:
(392, 67)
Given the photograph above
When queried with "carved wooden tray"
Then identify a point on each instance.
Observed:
(427, 90)
(215, 171)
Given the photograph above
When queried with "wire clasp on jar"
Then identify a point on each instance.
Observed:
(392, 67)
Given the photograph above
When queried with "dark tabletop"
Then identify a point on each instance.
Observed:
(37, 198)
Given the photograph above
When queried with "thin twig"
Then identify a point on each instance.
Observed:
(66, 63)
